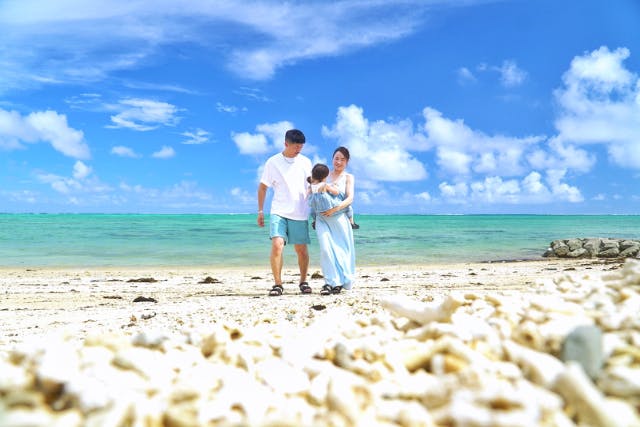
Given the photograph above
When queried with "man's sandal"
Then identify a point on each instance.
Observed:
(326, 290)
(336, 290)
(276, 291)
(305, 288)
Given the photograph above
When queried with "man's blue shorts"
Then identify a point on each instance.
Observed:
(292, 231)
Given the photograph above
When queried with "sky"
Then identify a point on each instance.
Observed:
(447, 106)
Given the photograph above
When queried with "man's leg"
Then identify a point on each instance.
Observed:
(277, 247)
(303, 261)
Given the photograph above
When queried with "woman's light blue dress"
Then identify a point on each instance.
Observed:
(337, 251)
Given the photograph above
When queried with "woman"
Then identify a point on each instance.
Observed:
(335, 235)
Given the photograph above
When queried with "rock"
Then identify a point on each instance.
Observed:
(626, 244)
(144, 299)
(578, 253)
(609, 253)
(584, 345)
(593, 248)
(629, 251)
(561, 250)
(574, 244)
(557, 243)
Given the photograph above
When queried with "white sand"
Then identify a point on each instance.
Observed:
(225, 353)
(40, 301)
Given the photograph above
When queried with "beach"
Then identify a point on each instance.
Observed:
(434, 345)
(37, 301)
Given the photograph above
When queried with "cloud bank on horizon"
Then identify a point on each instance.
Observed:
(176, 109)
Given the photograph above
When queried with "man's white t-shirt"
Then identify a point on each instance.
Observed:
(288, 178)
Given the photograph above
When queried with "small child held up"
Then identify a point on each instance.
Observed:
(322, 195)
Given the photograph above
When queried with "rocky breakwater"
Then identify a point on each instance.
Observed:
(594, 248)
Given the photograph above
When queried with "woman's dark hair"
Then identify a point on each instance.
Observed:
(319, 172)
(344, 151)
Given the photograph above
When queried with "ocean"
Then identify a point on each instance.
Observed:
(224, 240)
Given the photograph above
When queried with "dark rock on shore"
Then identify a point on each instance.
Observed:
(597, 247)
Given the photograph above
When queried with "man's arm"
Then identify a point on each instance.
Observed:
(262, 193)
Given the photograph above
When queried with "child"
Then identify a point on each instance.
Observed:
(324, 196)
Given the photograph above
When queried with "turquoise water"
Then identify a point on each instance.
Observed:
(76, 240)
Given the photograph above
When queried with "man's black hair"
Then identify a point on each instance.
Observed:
(295, 136)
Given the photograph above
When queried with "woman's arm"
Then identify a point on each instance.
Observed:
(330, 188)
(348, 198)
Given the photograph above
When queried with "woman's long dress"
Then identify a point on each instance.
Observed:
(337, 251)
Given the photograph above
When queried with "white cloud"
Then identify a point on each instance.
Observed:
(454, 192)
(144, 114)
(186, 190)
(424, 196)
(85, 101)
(533, 185)
(164, 153)
(21, 196)
(231, 109)
(379, 150)
(196, 137)
(258, 143)
(529, 190)
(122, 151)
(484, 169)
(253, 94)
(332, 28)
(47, 126)
(493, 189)
(561, 155)
(250, 144)
(462, 150)
(80, 170)
(79, 42)
(59, 183)
(82, 181)
(600, 104)
(275, 132)
(453, 162)
(601, 70)
(511, 75)
(180, 195)
(243, 196)
(560, 189)
(465, 76)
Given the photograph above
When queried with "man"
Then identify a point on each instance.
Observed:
(286, 173)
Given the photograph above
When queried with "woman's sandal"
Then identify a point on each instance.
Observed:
(336, 290)
(326, 290)
(305, 288)
(276, 291)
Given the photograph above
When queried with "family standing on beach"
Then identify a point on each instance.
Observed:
(328, 194)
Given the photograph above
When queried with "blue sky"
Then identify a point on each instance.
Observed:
(451, 107)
